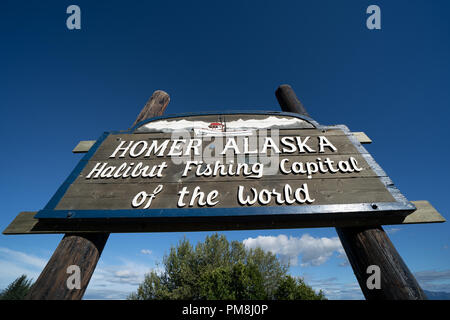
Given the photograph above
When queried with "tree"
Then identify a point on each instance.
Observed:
(17, 290)
(291, 288)
(219, 270)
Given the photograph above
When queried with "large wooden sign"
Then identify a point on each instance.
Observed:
(209, 166)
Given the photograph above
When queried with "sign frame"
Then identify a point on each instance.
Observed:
(401, 206)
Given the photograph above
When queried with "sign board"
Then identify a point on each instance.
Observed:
(250, 164)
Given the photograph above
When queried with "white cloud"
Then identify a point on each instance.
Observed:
(313, 251)
(14, 263)
(343, 257)
(146, 251)
(128, 273)
(23, 258)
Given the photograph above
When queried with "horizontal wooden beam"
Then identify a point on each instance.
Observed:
(425, 213)
(362, 137)
(85, 145)
(25, 223)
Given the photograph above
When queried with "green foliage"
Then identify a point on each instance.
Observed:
(219, 270)
(17, 290)
(291, 288)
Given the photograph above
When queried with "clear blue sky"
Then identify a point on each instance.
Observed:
(60, 86)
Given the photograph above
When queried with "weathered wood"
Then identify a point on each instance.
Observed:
(367, 245)
(362, 138)
(25, 223)
(154, 107)
(109, 145)
(372, 247)
(174, 171)
(288, 100)
(99, 182)
(82, 250)
(425, 212)
(282, 132)
(102, 196)
(83, 146)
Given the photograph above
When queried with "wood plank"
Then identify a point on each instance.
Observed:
(214, 146)
(271, 170)
(83, 146)
(115, 196)
(425, 213)
(25, 223)
(362, 137)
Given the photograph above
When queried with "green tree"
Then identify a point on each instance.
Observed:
(291, 288)
(217, 270)
(17, 290)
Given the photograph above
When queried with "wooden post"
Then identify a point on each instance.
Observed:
(288, 100)
(82, 250)
(367, 246)
(154, 107)
(371, 246)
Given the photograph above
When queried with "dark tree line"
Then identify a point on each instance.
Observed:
(17, 290)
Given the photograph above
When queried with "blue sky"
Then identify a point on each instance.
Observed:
(60, 86)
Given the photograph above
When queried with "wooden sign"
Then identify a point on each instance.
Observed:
(227, 165)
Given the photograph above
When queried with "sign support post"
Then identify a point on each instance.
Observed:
(370, 246)
(82, 250)
(367, 246)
